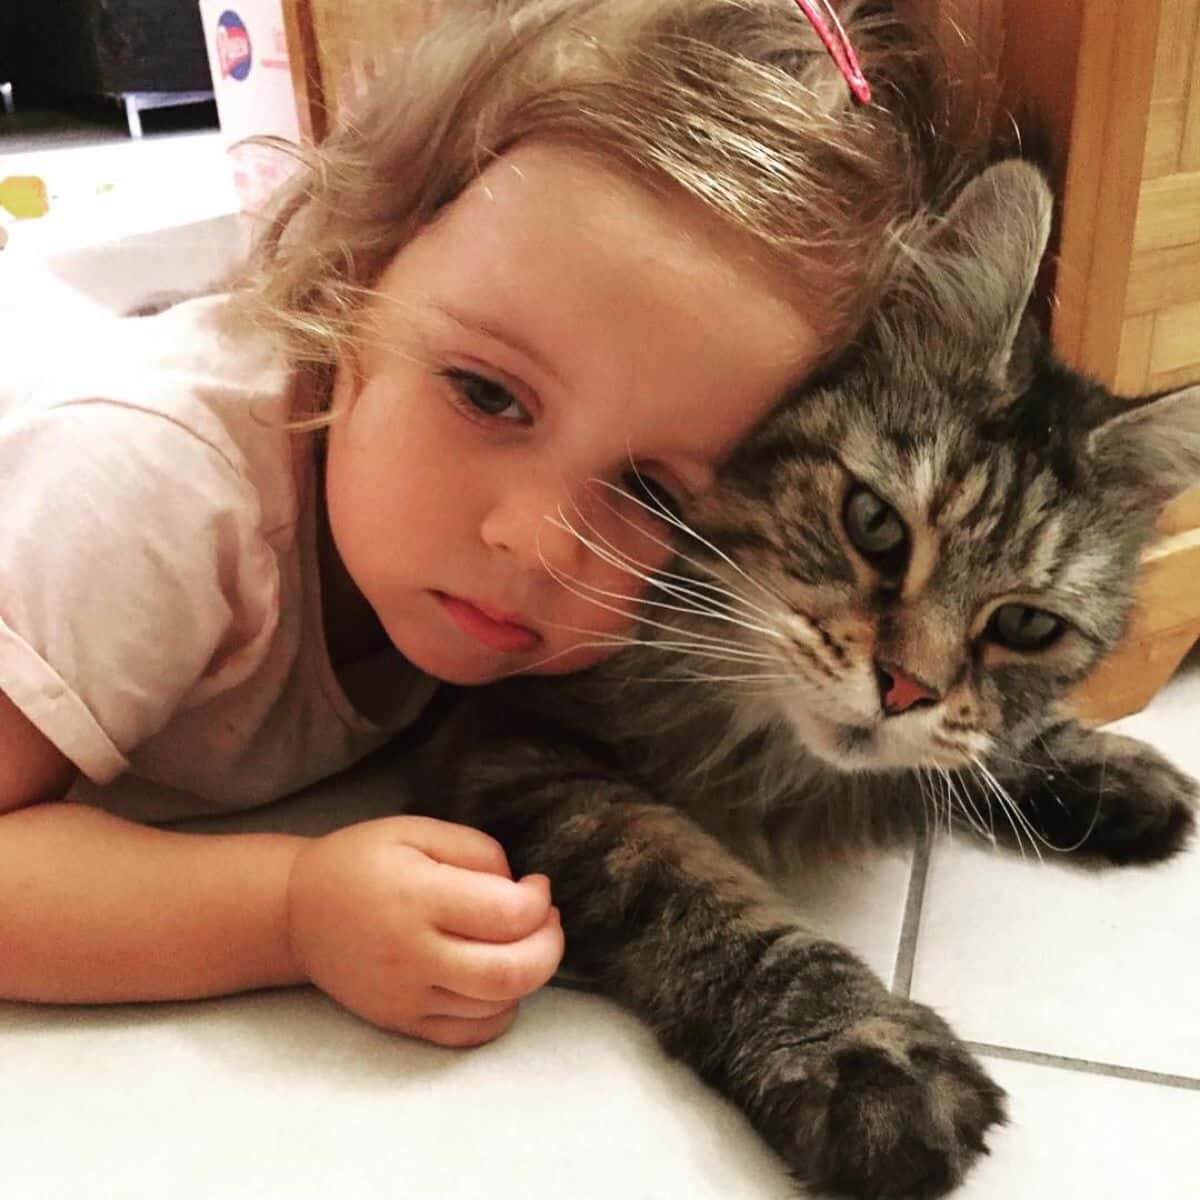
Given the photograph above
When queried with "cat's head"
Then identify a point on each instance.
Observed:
(934, 544)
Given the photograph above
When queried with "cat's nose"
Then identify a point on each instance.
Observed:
(899, 692)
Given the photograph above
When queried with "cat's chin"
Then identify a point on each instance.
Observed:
(854, 748)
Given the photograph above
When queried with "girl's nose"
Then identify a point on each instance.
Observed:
(535, 526)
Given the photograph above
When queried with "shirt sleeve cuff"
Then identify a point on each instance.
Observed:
(61, 717)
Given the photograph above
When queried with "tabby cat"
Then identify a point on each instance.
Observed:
(898, 579)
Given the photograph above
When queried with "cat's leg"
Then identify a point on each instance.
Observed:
(1100, 797)
(863, 1093)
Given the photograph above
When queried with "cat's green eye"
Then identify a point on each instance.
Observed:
(1022, 627)
(875, 529)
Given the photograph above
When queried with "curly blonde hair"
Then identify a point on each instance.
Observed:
(734, 103)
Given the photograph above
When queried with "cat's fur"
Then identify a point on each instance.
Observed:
(751, 717)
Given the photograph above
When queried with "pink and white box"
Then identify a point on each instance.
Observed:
(252, 79)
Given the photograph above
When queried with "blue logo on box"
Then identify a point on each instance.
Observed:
(233, 46)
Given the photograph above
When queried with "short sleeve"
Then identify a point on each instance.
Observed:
(134, 577)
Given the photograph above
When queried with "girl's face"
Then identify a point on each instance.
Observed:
(558, 333)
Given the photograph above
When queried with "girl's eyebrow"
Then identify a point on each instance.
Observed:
(498, 333)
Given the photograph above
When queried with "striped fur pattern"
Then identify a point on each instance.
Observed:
(747, 721)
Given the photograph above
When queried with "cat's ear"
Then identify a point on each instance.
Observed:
(980, 261)
(1156, 442)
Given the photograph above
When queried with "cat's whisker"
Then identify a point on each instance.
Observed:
(605, 644)
(1024, 763)
(695, 610)
(1050, 753)
(1087, 833)
(756, 677)
(716, 651)
(541, 662)
(567, 582)
(616, 557)
(734, 652)
(686, 649)
(684, 583)
(954, 802)
(925, 798)
(968, 808)
(941, 802)
(1005, 808)
(935, 798)
(1034, 832)
(991, 818)
(949, 811)
(671, 519)
(1002, 794)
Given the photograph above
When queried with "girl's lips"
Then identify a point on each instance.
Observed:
(496, 633)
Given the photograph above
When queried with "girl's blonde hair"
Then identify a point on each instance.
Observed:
(732, 102)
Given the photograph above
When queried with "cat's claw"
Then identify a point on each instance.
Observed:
(892, 1106)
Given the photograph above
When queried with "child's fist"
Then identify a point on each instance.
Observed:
(418, 926)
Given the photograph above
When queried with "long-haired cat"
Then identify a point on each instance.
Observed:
(900, 575)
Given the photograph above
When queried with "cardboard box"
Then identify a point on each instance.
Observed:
(252, 81)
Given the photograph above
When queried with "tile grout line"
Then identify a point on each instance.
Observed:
(1082, 1066)
(906, 951)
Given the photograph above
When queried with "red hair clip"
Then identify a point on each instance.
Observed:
(838, 45)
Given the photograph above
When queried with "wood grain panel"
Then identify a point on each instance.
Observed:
(305, 63)
(1165, 381)
(1113, 85)
(1175, 344)
(1176, 46)
(351, 40)
(1137, 340)
(1164, 627)
(1164, 137)
(1182, 514)
(1189, 150)
(1168, 212)
(1165, 277)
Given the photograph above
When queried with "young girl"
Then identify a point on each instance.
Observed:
(567, 257)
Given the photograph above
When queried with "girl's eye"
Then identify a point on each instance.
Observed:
(1021, 627)
(486, 396)
(654, 495)
(875, 529)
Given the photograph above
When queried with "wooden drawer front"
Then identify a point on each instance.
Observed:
(1160, 335)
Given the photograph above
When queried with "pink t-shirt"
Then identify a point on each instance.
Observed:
(160, 608)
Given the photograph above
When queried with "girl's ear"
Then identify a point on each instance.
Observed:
(979, 262)
(1156, 442)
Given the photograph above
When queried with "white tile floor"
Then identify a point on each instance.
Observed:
(1081, 991)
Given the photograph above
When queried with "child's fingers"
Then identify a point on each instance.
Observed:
(489, 909)
(503, 971)
(444, 1003)
(463, 1031)
(457, 845)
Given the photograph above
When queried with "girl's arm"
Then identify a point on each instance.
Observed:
(93, 908)
(31, 767)
(414, 924)
(96, 909)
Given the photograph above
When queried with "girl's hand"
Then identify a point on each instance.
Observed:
(417, 925)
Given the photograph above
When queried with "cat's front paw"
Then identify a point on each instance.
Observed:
(1124, 805)
(893, 1105)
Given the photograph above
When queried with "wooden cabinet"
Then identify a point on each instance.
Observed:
(1117, 86)
(1120, 85)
